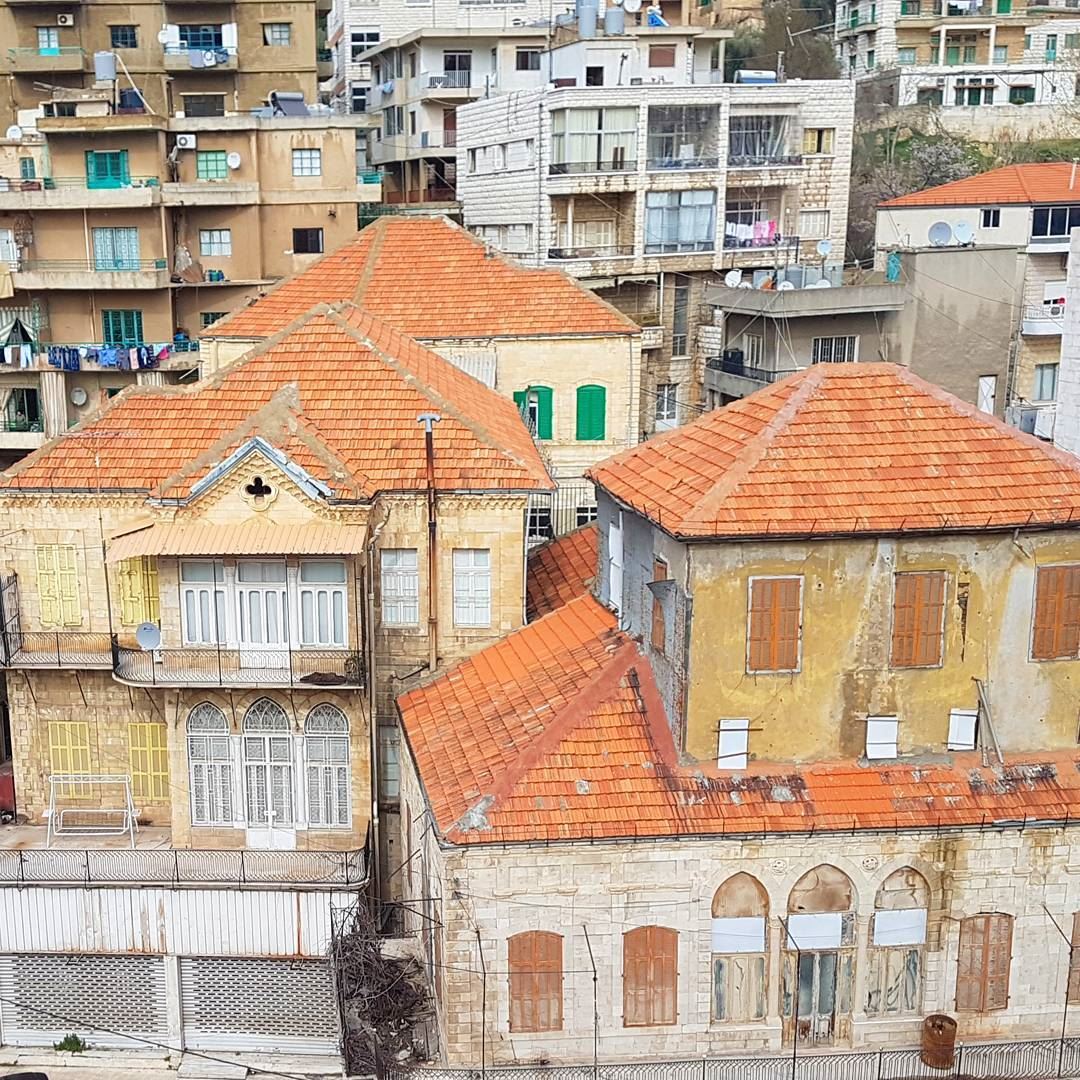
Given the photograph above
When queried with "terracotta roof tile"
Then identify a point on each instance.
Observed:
(558, 732)
(560, 570)
(1044, 182)
(431, 279)
(339, 394)
(842, 449)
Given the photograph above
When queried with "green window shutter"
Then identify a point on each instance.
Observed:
(543, 411)
(91, 168)
(1004, 7)
(591, 413)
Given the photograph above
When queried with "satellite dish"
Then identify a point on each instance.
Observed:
(745, 285)
(632, 6)
(786, 286)
(78, 396)
(824, 283)
(963, 232)
(940, 234)
(733, 278)
(14, 133)
(232, 160)
(148, 636)
(824, 248)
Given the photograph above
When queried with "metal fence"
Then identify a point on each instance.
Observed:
(181, 867)
(1035, 1060)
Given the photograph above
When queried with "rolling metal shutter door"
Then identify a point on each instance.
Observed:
(235, 1003)
(122, 993)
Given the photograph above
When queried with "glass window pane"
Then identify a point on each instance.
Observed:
(325, 570)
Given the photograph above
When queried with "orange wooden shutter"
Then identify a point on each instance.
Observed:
(970, 965)
(918, 611)
(982, 982)
(650, 976)
(535, 981)
(775, 624)
(1057, 613)
(998, 962)
(1074, 961)
(659, 634)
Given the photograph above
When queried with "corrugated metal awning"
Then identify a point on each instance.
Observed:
(204, 540)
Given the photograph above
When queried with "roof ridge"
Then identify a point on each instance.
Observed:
(594, 694)
(378, 236)
(445, 404)
(756, 447)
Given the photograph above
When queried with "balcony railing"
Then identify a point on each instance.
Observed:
(94, 266)
(562, 168)
(57, 649)
(8, 423)
(59, 50)
(255, 666)
(763, 161)
(181, 867)
(602, 251)
(658, 163)
(51, 183)
(426, 195)
(737, 367)
(446, 80)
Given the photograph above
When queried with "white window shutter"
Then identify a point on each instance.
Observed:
(881, 737)
(615, 562)
(228, 35)
(734, 743)
(962, 729)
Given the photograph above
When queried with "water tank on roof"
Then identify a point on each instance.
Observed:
(587, 14)
(614, 21)
(105, 66)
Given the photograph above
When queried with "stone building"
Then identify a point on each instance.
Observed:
(799, 771)
(642, 174)
(205, 592)
(571, 361)
(1028, 208)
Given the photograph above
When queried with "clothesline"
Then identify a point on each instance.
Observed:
(124, 358)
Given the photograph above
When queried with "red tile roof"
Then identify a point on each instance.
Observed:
(1046, 182)
(431, 279)
(339, 394)
(560, 571)
(844, 449)
(558, 732)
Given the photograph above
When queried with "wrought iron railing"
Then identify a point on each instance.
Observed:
(214, 666)
(56, 649)
(175, 866)
(661, 163)
(593, 251)
(51, 183)
(1038, 1059)
(746, 371)
(560, 168)
(763, 161)
(119, 264)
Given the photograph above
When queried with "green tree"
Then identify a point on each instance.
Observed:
(801, 34)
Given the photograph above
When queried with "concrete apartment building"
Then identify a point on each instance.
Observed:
(194, 651)
(137, 229)
(662, 867)
(637, 171)
(969, 55)
(1020, 215)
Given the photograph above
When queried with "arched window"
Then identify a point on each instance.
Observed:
(210, 765)
(591, 414)
(819, 956)
(650, 976)
(536, 974)
(740, 912)
(897, 938)
(268, 770)
(326, 760)
(982, 978)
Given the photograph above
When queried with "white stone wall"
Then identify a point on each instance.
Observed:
(1067, 423)
(876, 30)
(501, 198)
(614, 887)
(1053, 86)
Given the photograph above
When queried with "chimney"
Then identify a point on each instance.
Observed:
(1067, 420)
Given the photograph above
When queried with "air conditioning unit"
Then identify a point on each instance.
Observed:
(186, 142)
(1055, 311)
(65, 19)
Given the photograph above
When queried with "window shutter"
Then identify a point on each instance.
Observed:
(535, 962)
(982, 982)
(543, 411)
(132, 599)
(58, 585)
(659, 631)
(519, 401)
(999, 957)
(774, 630)
(1074, 961)
(918, 610)
(591, 413)
(1056, 632)
(47, 587)
(969, 971)
(788, 611)
(650, 976)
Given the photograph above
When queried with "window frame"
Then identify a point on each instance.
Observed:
(306, 233)
(819, 141)
(215, 243)
(1065, 629)
(590, 427)
(462, 574)
(272, 29)
(140, 599)
(64, 589)
(983, 980)
(1038, 380)
(212, 764)
(918, 632)
(408, 578)
(307, 161)
(733, 760)
(540, 982)
(211, 165)
(750, 583)
(530, 54)
(650, 974)
(662, 56)
(117, 32)
(329, 773)
(990, 217)
(887, 730)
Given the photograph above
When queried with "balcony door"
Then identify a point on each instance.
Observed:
(262, 614)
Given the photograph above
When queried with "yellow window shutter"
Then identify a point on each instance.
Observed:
(48, 586)
(152, 611)
(69, 752)
(68, 575)
(149, 761)
(138, 591)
